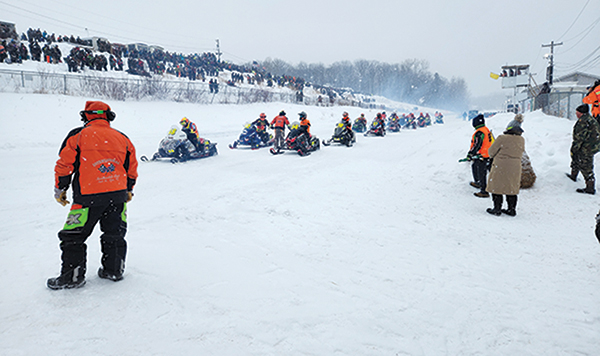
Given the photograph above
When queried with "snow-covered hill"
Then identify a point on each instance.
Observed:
(378, 249)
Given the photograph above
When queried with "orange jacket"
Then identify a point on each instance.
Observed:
(593, 98)
(280, 121)
(481, 141)
(100, 160)
(305, 124)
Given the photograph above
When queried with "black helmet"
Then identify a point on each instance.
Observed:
(282, 113)
(302, 114)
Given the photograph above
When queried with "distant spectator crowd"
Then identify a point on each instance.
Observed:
(145, 61)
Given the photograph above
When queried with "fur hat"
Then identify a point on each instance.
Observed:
(478, 120)
(515, 124)
(583, 108)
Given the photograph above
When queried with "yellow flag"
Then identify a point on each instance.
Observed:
(494, 75)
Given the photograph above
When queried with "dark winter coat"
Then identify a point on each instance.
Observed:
(506, 153)
(586, 136)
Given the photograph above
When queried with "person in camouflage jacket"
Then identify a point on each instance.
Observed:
(586, 143)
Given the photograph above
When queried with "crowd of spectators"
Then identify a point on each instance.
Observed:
(141, 60)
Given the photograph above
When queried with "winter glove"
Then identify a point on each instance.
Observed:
(468, 158)
(61, 196)
(129, 196)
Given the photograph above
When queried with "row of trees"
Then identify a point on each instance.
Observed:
(410, 81)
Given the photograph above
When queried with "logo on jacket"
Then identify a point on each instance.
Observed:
(106, 168)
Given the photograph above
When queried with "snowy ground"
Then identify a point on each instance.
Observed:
(379, 249)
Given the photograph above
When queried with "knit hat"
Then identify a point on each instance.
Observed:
(583, 108)
(96, 110)
(478, 120)
(515, 123)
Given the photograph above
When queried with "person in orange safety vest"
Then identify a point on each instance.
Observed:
(480, 143)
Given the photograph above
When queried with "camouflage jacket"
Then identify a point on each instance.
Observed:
(586, 136)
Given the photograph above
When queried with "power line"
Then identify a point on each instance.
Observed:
(574, 21)
(185, 46)
(589, 30)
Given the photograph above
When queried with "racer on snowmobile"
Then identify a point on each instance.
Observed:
(176, 147)
(252, 137)
(393, 123)
(262, 124)
(421, 120)
(410, 121)
(191, 131)
(360, 124)
(343, 133)
(377, 126)
(427, 119)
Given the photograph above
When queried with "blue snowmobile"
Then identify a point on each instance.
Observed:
(251, 137)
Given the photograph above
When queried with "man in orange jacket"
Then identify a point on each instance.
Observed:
(99, 163)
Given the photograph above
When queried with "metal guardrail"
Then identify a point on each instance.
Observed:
(96, 85)
(155, 88)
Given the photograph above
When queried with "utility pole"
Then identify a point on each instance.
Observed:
(219, 50)
(550, 69)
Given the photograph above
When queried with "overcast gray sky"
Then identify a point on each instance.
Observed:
(459, 38)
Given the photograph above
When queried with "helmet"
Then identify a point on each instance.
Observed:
(302, 114)
(362, 115)
(345, 114)
(379, 115)
(185, 121)
(282, 113)
(262, 115)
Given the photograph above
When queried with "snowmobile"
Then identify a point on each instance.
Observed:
(360, 125)
(297, 141)
(394, 124)
(411, 123)
(250, 137)
(341, 135)
(439, 118)
(377, 129)
(175, 147)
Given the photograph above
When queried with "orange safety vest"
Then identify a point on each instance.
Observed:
(593, 99)
(305, 123)
(488, 139)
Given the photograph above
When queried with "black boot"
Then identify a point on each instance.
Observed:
(590, 187)
(573, 175)
(106, 275)
(512, 205)
(497, 199)
(114, 251)
(69, 278)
